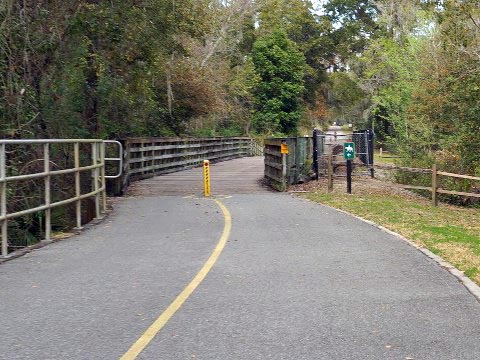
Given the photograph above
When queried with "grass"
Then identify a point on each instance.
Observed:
(449, 231)
(382, 159)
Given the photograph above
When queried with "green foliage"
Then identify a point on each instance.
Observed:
(280, 67)
(308, 31)
(391, 71)
(416, 64)
(120, 68)
(354, 26)
(346, 99)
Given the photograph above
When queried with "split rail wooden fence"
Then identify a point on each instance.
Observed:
(434, 188)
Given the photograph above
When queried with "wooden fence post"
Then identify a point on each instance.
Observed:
(330, 172)
(434, 185)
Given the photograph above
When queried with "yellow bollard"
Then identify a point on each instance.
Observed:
(206, 178)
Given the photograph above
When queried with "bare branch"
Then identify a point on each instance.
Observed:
(237, 10)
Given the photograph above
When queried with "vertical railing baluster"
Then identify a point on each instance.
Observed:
(78, 203)
(102, 176)
(3, 199)
(48, 211)
(95, 179)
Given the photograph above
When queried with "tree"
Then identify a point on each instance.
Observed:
(353, 26)
(308, 31)
(346, 99)
(280, 67)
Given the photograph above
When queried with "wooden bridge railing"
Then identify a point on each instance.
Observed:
(282, 170)
(147, 157)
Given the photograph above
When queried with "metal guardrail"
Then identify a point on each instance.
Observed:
(118, 159)
(97, 168)
(143, 157)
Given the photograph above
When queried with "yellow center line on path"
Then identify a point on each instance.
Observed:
(158, 324)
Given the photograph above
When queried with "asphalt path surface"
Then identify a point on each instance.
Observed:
(295, 281)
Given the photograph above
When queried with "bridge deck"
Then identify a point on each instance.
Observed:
(238, 176)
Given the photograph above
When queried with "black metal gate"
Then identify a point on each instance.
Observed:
(332, 143)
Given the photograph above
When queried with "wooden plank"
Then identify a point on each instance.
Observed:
(182, 155)
(184, 146)
(275, 178)
(155, 156)
(160, 157)
(163, 147)
(273, 153)
(458, 175)
(273, 142)
(154, 168)
(132, 140)
(357, 175)
(415, 170)
(460, 193)
(243, 175)
(197, 154)
(356, 164)
(179, 163)
(273, 165)
(410, 187)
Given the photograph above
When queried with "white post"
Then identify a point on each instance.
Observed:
(95, 179)
(102, 176)
(48, 211)
(78, 204)
(3, 199)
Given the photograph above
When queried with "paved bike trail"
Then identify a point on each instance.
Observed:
(295, 281)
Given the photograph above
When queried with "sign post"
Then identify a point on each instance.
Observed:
(206, 178)
(349, 155)
(315, 153)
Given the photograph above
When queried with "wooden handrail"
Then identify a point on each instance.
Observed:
(458, 175)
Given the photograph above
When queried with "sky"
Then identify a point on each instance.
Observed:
(318, 6)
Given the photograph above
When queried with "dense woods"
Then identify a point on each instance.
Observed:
(88, 68)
